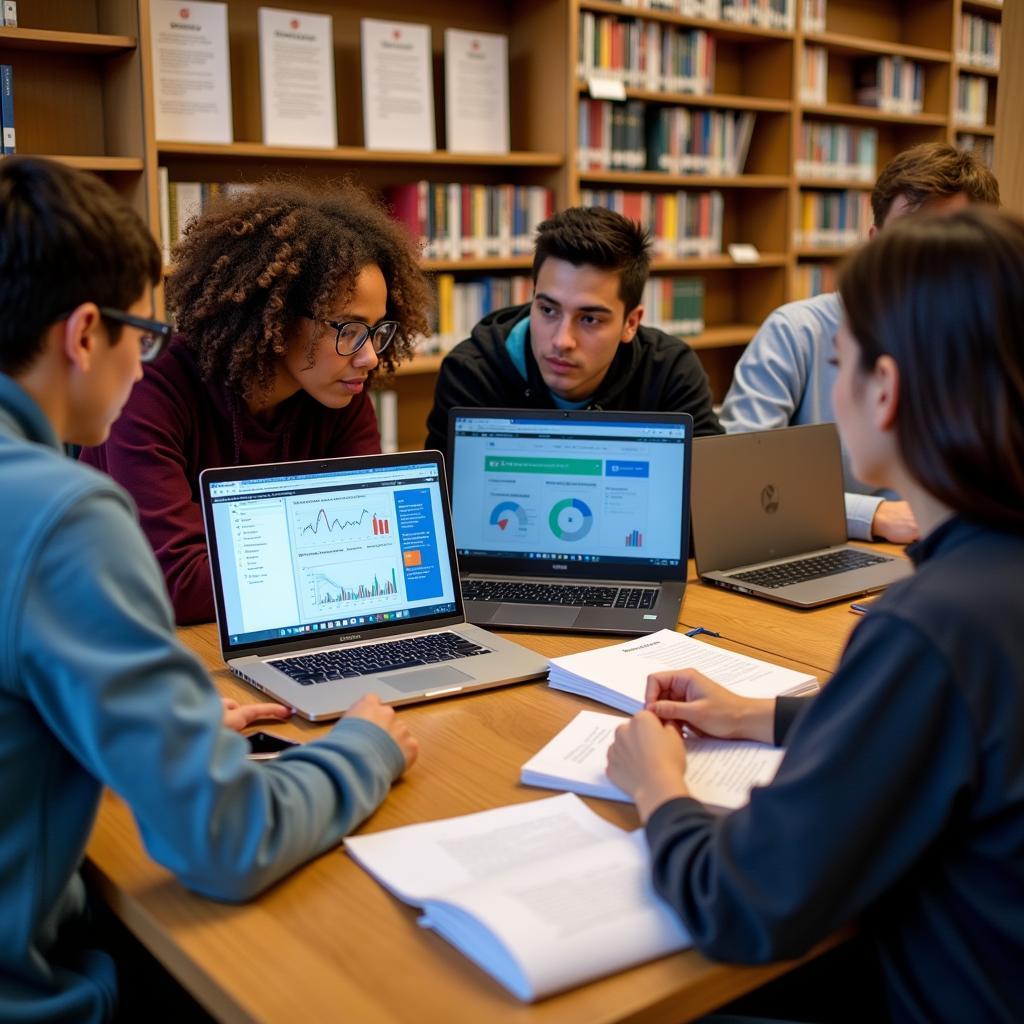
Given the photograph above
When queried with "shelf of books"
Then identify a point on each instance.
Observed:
(72, 88)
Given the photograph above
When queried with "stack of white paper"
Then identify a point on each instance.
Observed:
(543, 896)
(617, 676)
(718, 772)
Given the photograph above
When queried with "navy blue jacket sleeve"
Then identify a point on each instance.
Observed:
(870, 779)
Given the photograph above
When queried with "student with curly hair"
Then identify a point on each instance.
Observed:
(286, 303)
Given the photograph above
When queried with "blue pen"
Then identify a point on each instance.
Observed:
(700, 629)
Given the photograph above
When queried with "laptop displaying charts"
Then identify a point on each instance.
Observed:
(336, 578)
(572, 521)
(769, 518)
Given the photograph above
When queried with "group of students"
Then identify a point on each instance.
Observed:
(901, 796)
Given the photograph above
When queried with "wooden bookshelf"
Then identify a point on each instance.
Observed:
(46, 40)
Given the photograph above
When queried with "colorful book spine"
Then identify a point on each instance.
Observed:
(830, 220)
(462, 304)
(972, 101)
(181, 202)
(683, 225)
(978, 41)
(982, 146)
(763, 13)
(838, 151)
(892, 84)
(814, 75)
(674, 304)
(9, 140)
(813, 15)
(815, 279)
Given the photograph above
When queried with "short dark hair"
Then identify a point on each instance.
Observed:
(257, 260)
(601, 238)
(944, 297)
(933, 170)
(65, 238)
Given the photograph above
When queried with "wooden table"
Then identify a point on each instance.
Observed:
(328, 943)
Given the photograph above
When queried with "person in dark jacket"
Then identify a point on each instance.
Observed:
(286, 302)
(900, 799)
(580, 343)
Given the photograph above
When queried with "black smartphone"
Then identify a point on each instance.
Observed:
(264, 745)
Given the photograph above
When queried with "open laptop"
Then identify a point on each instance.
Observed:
(573, 521)
(769, 518)
(336, 578)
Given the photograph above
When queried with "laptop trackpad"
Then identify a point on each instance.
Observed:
(534, 614)
(425, 679)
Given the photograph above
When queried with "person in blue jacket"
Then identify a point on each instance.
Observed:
(900, 798)
(95, 689)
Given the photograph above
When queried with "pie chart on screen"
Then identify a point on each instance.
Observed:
(508, 518)
(571, 519)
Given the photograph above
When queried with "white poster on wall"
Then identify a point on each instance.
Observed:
(398, 86)
(297, 78)
(191, 71)
(476, 91)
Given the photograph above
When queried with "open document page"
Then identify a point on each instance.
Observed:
(720, 773)
(617, 676)
(543, 895)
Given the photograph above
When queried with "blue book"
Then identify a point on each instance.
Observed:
(7, 109)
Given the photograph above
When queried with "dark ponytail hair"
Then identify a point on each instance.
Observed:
(944, 297)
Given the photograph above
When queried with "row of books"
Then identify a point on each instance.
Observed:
(676, 140)
(815, 279)
(814, 75)
(838, 151)
(814, 15)
(833, 219)
(183, 201)
(972, 101)
(982, 145)
(646, 54)
(683, 225)
(8, 140)
(462, 304)
(893, 84)
(674, 304)
(978, 41)
(765, 13)
(459, 221)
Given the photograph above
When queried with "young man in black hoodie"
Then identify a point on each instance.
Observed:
(579, 343)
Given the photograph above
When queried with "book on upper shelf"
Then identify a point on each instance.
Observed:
(10, 14)
(978, 41)
(398, 86)
(814, 75)
(971, 101)
(543, 896)
(892, 84)
(646, 54)
(461, 221)
(839, 151)
(182, 201)
(682, 224)
(719, 773)
(617, 676)
(298, 105)
(476, 92)
(830, 220)
(191, 71)
(461, 305)
(8, 136)
(814, 15)
(776, 14)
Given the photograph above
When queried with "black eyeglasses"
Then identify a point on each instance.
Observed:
(350, 335)
(154, 332)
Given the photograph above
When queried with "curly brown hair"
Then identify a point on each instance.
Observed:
(256, 260)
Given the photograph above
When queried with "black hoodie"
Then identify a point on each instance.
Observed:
(656, 372)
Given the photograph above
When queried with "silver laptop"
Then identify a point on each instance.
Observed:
(571, 520)
(769, 518)
(338, 578)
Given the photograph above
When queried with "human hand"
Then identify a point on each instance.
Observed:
(688, 697)
(647, 760)
(894, 521)
(370, 709)
(241, 716)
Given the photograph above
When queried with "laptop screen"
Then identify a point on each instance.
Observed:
(587, 488)
(302, 553)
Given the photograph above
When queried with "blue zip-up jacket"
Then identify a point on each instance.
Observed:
(96, 691)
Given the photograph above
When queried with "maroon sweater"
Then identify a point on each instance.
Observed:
(176, 425)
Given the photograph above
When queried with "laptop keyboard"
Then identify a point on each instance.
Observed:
(559, 593)
(785, 575)
(348, 662)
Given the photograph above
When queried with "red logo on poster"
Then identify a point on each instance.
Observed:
(396, 34)
(183, 13)
(295, 23)
(475, 45)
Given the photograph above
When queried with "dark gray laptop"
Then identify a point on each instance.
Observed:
(338, 578)
(769, 518)
(573, 520)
